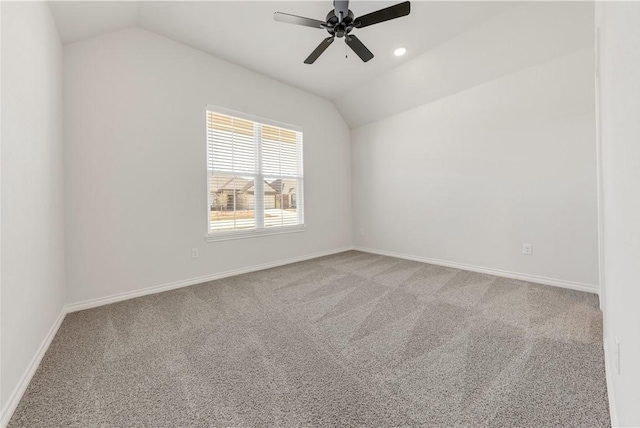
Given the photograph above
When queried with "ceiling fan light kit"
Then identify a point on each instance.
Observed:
(340, 22)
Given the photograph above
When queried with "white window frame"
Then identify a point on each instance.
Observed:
(259, 230)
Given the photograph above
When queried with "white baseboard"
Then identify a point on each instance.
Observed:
(18, 392)
(612, 402)
(513, 275)
(87, 304)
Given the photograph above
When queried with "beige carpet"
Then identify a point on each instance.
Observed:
(351, 339)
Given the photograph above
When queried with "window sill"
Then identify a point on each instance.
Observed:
(227, 236)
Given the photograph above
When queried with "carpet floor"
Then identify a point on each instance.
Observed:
(351, 339)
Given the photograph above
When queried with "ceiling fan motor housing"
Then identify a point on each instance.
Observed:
(338, 28)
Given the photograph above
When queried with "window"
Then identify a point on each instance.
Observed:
(255, 178)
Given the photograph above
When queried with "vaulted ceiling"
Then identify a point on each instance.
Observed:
(452, 46)
(246, 34)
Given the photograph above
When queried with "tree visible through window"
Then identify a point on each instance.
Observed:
(255, 177)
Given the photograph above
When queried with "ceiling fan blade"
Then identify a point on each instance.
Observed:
(318, 51)
(386, 14)
(359, 48)
(298, 20)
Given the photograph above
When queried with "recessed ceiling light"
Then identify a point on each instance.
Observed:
(400, 51)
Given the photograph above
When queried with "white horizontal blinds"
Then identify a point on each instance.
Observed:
(255, 174)
(232, 168)
(282, 168)
(231, 144)
(279, 152)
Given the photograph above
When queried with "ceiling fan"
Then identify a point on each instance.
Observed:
(340, 22)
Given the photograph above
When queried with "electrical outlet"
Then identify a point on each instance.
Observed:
(527, 249)
(616, 356)
(195, 253)
(361, 231)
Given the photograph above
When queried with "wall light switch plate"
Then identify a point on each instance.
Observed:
(527, 249)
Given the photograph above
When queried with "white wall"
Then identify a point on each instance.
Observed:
(619, 108)
(526, 34)
(134, 114)
(471, 177)
(32, 191)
